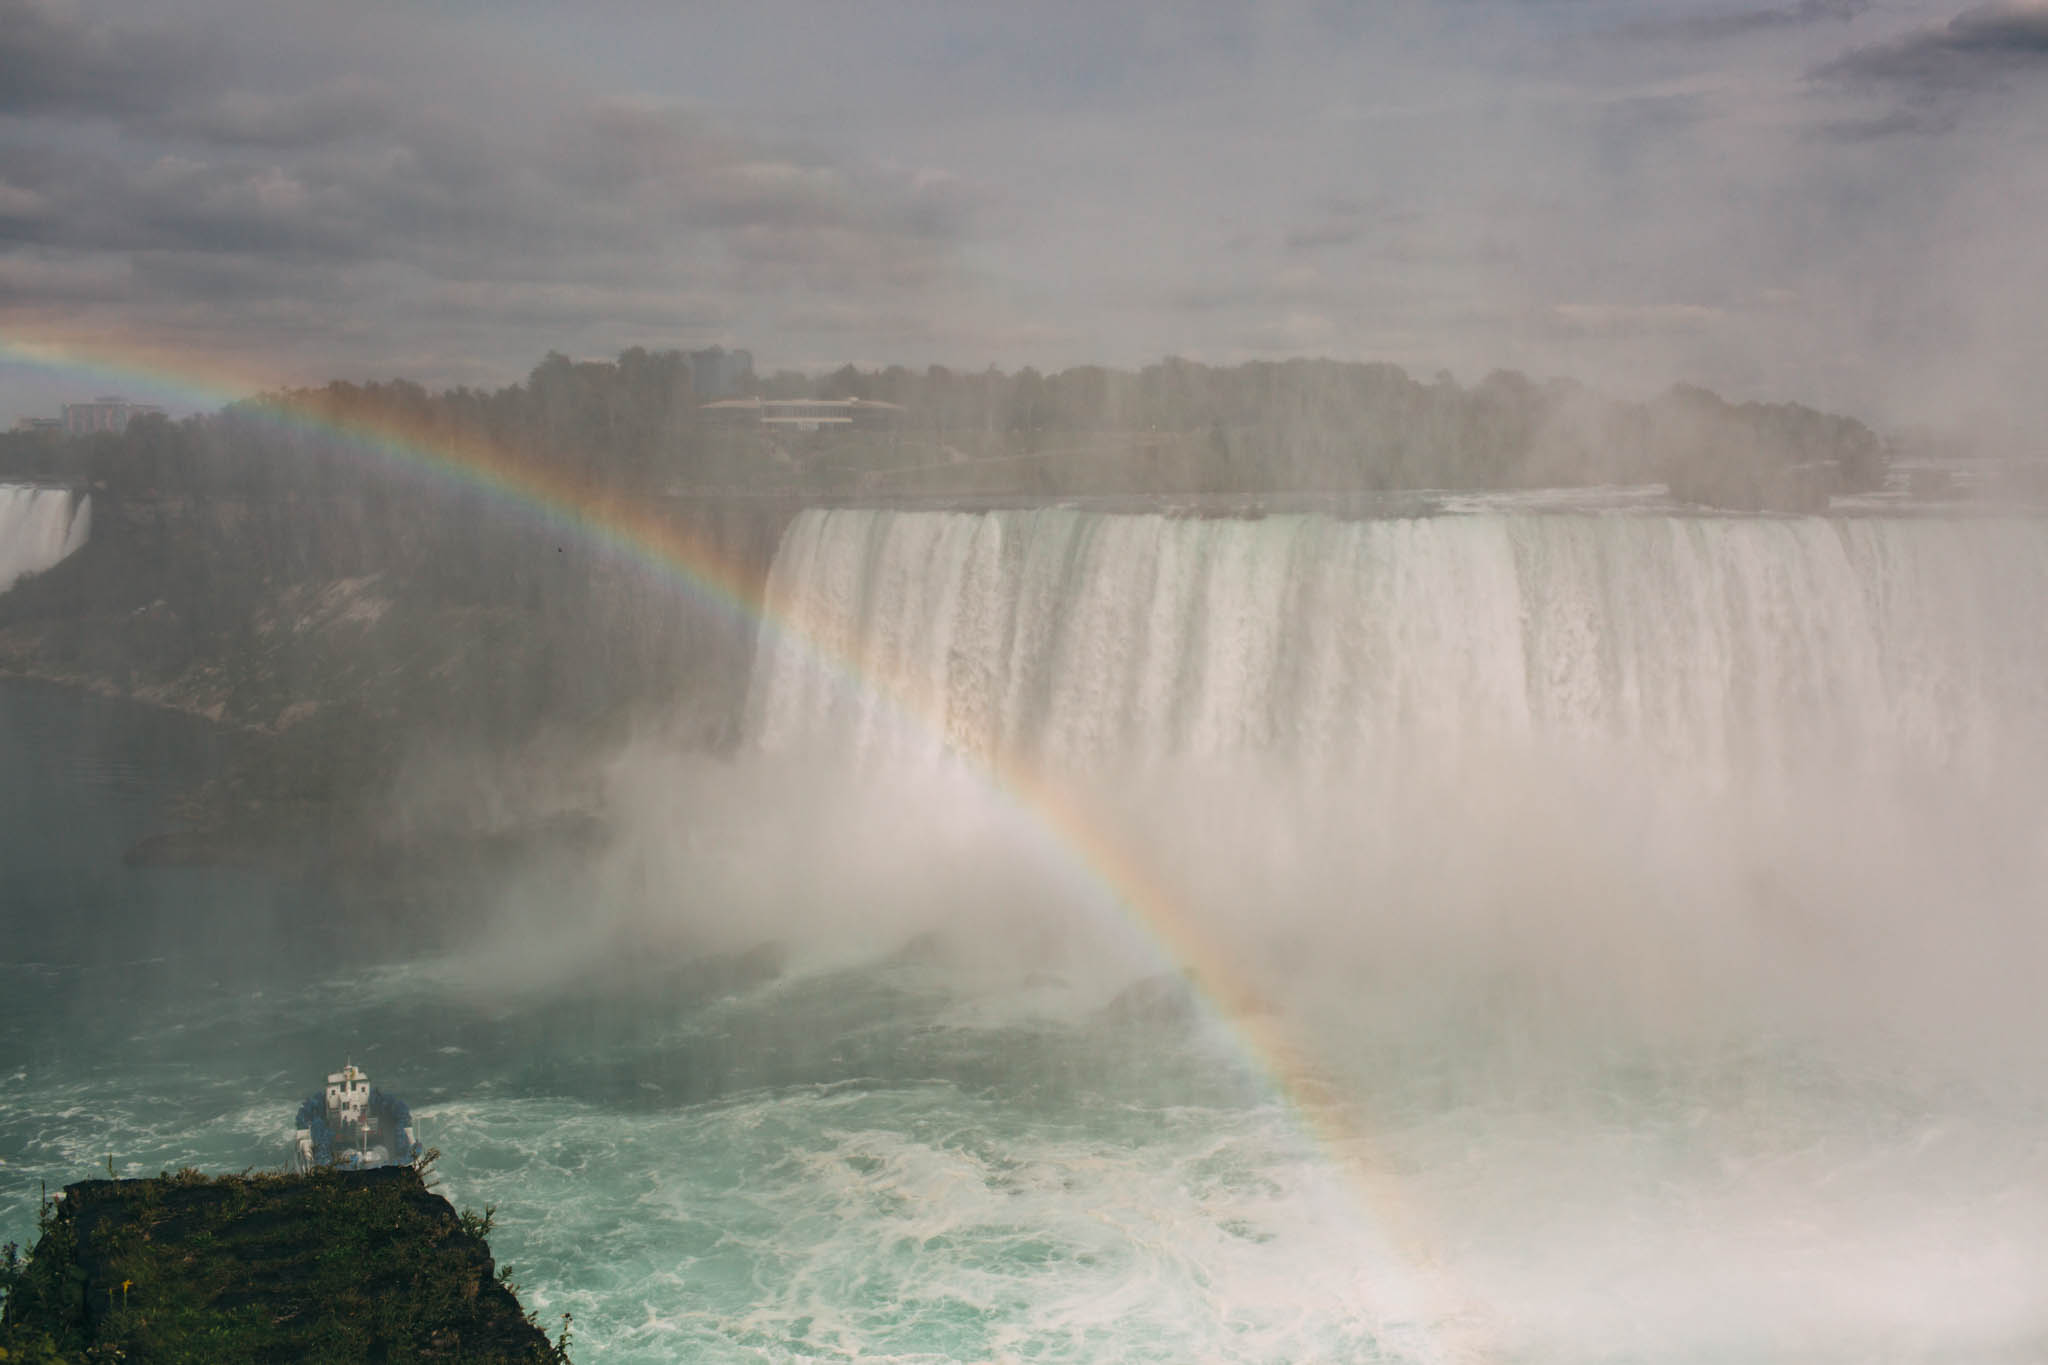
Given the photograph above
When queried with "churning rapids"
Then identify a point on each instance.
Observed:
(1613, 937)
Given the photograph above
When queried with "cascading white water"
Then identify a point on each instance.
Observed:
(1661, 895)
(1088, 642)
(1766, 722)
(39, 527)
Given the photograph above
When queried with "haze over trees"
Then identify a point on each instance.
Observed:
(1321, 425)
(634, 425)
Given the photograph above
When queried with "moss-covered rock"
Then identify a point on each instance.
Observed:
(330, 1266)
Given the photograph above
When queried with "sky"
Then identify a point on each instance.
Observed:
(1840, 202)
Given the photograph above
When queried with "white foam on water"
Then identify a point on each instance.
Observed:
(927, 1224)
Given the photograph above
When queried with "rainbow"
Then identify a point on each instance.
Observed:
(555, 502)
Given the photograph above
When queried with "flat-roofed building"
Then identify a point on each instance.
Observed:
(110, 412)
(805, 414)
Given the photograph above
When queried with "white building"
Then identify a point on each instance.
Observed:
(110, 412)
(805, 414)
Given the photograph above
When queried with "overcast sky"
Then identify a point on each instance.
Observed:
(1838, 201)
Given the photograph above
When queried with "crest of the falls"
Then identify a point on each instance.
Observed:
(1713, 645)
(39, 527)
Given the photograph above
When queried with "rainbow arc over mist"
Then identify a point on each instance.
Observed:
(556, 503)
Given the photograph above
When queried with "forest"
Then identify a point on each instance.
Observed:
(634, 425)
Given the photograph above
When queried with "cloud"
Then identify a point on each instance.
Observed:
(1638, 319)
(1989, 42)
(39, 277)
(651, 160)
(453, 190)
(22, 205)
(352, 107)
(1337, 222)
(1736, 23)
(510, 212)
(1931, 77)
(55, 61)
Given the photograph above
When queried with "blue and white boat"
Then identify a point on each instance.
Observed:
(354, 1126)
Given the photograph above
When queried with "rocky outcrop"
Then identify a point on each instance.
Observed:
(330, 1265)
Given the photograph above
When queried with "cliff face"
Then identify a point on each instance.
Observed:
(331, 1265)
(360, 641)
(259, 615)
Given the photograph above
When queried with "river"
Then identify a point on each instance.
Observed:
(1612, 937)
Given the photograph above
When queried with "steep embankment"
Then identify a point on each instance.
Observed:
(358, 642)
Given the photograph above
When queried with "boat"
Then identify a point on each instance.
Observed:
(354, 1126)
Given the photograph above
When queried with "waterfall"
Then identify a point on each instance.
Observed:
(39, 527)
(1711, 645)
(1655, 900)
(1622, 776)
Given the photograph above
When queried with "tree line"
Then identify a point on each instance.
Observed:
(634, 425)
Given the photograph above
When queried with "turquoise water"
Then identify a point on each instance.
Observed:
(802, 1130)
(697, 1163)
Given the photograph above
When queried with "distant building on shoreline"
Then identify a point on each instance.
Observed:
(805, 414)
(110, 412)
(39, 424)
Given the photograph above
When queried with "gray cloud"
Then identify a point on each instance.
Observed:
(336, 111)
(1326, 232)
(1338, 221)
(643, 160)
(1986, 43)
(38, 277)
(371, 208)
(55, 61)
(1736, 23)
(1629, 320)
(1928, 80)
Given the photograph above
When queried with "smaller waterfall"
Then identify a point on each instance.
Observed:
(39, 527)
